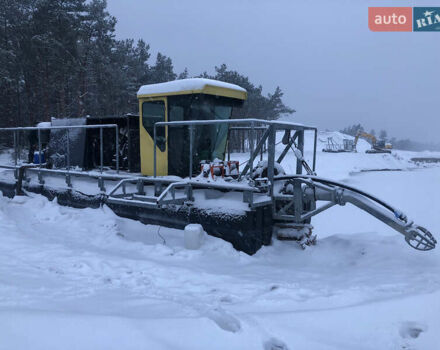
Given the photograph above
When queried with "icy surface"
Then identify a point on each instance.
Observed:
(87, 279)
(185, 85)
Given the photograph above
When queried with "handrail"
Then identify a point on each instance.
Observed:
(273, 126)
(67, 128)
(193, 183)
(94, 126)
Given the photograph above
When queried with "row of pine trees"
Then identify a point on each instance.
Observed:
(60, 58)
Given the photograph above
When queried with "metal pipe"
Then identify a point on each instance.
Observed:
(191, 136)
(68, 149)
(317, 211)
(101, 149)
(314, 149)
(280, 125)
(18, 147)
(288, 147)
(28, 128)
(154, 150)
(117, 149)
(247, 127)
(259, 145)
(68, 180)
(299, 163)
(15, 148)
(251, 149)
(194, 183)
(229, 144)
(39, 154)
(129, 143)
(113, 177)
(271, 158)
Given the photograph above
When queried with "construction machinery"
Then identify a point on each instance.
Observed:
(187, 174)
(334, 147)
(377, 146)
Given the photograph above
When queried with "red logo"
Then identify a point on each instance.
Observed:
(390, 19)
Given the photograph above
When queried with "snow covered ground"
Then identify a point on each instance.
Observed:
(87, 279)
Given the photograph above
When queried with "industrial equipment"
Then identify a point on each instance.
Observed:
(334, 147)
(377, 146)
(187, 174)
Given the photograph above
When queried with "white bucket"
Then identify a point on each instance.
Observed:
(193, 236)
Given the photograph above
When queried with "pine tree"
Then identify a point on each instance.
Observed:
(61, 59)
(163, 70)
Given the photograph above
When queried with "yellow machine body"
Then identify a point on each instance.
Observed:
(154, 101)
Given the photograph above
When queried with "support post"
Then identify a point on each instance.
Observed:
(314, 149)
(139, 187)
(271, 157)
(298, 200)
(299, 164)
(229, 144)
(101, 149)
(191, 141)
(39, 148)
(68, 182)
(154, 151)
(39, 155)
(251, 149)
(68, 149)
(15, 154)
(117, 149)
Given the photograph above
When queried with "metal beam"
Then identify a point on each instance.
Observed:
(288, 146)
(299, 164)
(271, 157)
(255, 152)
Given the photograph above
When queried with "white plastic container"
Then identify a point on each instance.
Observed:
(193, 236)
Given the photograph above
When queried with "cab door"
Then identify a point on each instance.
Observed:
(153, 110)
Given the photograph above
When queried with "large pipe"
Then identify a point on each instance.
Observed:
(416, 236)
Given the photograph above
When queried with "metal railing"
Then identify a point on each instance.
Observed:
(67, 128)
(253, 124)
(16, 133)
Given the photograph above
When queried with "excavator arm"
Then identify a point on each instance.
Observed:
(365, 135)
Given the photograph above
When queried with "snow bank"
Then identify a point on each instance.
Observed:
(88, 279)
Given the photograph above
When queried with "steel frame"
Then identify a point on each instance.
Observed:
(67, 173)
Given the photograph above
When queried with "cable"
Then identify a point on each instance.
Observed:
(163, 239)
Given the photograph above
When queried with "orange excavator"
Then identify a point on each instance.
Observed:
(377, 146)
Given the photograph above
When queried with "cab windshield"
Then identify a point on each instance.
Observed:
(209, 142)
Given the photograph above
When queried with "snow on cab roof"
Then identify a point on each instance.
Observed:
(193, 86)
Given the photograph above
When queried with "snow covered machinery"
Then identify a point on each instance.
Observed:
(377, 146)
(188, 174)
(334, 147)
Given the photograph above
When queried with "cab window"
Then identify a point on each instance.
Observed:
(153, 112)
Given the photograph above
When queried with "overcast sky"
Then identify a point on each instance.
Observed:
(332, 69)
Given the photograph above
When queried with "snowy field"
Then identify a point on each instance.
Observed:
(87, 279)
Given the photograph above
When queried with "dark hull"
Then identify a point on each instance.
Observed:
(247, 232)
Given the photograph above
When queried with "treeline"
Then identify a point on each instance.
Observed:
(61, 59)
(402, 144)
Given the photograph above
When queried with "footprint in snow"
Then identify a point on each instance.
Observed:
(274, 344)
(224, 320)
(411, 329)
